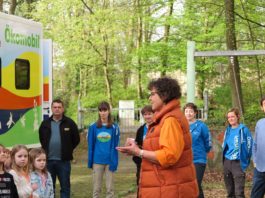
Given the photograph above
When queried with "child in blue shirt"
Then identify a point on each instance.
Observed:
(237, 150)
(103, 138)
(40, 178)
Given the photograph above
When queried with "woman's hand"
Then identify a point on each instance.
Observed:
(130, 147)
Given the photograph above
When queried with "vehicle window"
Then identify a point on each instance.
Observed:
(22, 74)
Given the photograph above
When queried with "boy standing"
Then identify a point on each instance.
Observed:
(258, 187)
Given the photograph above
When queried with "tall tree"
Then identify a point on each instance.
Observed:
(1, 5)
(233, 61)
(253, 43)
(138, 46)
(165, 52)
(12, 6)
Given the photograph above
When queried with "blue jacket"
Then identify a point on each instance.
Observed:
(91, 139)
(42, 191)
(245, 148)
(201, 141)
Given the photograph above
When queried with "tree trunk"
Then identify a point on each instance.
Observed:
(166, 37)
(252, 37)
(234, 69)
(1, 5)
(138, 46)
(12, 8)
(106, 70)
(131, 46)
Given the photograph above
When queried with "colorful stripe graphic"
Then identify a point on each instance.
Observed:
(11, 101)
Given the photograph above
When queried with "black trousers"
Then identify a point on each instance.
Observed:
(200, 169)
(234, 178)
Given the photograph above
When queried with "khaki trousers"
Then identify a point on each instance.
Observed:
(98, 173)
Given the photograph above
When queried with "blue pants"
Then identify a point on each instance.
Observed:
(258, 187)
(62, 170)
(200, 169)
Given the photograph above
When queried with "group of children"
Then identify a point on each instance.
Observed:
(23, 173)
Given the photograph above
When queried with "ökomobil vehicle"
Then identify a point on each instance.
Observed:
(25, 80)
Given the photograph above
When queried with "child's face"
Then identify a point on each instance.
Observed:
(40, 162)
(263, 106)
(7, 152)
(21, 158)
(2, 155)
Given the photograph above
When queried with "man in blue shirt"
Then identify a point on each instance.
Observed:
(258, 188)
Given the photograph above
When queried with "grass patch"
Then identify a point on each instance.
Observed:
(82, 181)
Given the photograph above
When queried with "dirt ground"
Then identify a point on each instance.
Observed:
(214, 186)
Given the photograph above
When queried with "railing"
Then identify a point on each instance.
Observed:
(129, 120)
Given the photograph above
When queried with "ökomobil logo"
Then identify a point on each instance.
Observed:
(32, 40)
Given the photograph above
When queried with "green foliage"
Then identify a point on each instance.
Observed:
(101, 53)
(252, 114)
(220, 103)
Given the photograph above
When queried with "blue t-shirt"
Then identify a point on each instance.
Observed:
(102, 150)
(232, 152)
(145, 131)
(102, 143)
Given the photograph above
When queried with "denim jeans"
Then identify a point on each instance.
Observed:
(62, 170)
(258, 187)
(234, 179)
(200, 169)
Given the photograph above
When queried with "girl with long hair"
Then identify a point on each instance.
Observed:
(40, 178)
(20, 170)
(103, 138)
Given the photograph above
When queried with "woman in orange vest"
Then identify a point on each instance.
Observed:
(167, 168)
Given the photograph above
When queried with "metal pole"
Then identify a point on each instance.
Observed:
(190, 71)
(205, 102)
(79, 114)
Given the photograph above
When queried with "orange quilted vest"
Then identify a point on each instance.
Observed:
(178, 180)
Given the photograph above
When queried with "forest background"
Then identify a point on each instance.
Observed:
(110, 49)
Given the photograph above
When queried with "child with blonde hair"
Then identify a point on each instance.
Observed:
(40, 178)
(20, 170)
(7, 184)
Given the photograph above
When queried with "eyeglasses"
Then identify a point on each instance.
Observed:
(152, 93)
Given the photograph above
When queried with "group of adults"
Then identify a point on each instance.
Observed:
(170, 149)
